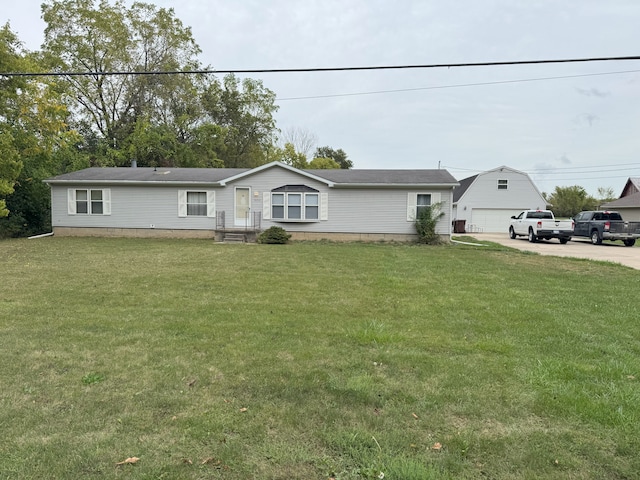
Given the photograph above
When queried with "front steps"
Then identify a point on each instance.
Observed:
(234, 238)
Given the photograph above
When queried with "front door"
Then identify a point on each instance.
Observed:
(243, 207)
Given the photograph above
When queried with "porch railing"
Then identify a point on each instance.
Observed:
(252, 221)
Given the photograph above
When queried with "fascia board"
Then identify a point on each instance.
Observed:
(132, 183)
(276, 164)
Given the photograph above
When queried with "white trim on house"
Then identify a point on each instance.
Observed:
(322, 206)
(276, 164)
(238, 221)
(412, 203)
(183, 202)
(373, 203)
(105, 201)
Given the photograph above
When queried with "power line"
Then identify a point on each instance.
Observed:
(323, 69)
(457, 85)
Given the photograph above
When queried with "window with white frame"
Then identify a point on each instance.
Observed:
(196, 203)
(417, 201)
(293, 203)
(89, 201)
(503, 184)
(423, 201)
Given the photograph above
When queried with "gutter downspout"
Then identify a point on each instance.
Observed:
(41, 235)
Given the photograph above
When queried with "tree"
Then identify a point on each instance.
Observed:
(245, 110)
(35, 140)
(324, 163)
(339, 156)
(605, 194)
(301, 139)
(11, 60)
(83, 36)
(289, 156)
(568, 201)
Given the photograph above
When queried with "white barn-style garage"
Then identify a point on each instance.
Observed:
(485, 202)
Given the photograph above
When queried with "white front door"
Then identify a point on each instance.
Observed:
(243, 207)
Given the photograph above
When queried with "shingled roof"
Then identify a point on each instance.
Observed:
(335, 177)
(465, 183)
(630, 201)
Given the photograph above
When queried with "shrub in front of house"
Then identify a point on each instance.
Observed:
(426, 224)
(274, 235)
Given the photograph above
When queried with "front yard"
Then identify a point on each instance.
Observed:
(314, 360)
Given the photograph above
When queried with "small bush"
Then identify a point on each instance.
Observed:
(274, 235)
(426, 224)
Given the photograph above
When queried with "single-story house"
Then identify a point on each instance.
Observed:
(485, 202)
(215, 202)
(629, 202)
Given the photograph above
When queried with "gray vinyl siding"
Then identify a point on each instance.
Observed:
(131, 207)
(350, 210)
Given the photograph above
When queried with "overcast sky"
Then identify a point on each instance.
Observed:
(579, 130)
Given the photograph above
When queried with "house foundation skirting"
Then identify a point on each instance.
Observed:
(130, 232)
(353, 237)
(219, 235)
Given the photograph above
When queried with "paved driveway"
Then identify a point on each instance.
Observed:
(580, 248)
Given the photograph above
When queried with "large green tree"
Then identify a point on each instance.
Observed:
(35, 139)
(339, 156)
(568, 201)
(245, 109)
(11, 60)
(104, 37)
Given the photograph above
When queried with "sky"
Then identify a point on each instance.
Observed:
(563, 124)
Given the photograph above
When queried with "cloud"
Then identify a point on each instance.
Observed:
(592, 92)
(564, 159)
(586, 118)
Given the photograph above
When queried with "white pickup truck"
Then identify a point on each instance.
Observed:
(539, 224)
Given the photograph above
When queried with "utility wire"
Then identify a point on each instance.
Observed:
(457, 85)
(327, 69)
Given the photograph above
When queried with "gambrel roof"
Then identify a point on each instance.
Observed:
(465, 183)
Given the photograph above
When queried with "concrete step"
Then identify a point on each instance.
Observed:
(234, 238)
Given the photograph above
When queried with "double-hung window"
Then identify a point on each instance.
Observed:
(503, 184)
(196, 203)
(87, 201)
(419, 201)
(423, 202)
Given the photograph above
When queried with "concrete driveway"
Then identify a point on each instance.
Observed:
(579, 248)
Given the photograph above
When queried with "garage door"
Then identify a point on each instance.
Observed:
(491, 220)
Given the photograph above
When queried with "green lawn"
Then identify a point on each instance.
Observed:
(314, 361)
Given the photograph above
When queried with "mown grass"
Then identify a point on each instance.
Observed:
(314, 360)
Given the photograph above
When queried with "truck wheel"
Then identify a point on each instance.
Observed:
(512, 233)
(564, 240)
(595, 238)
(630, 242)
(532, 237)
